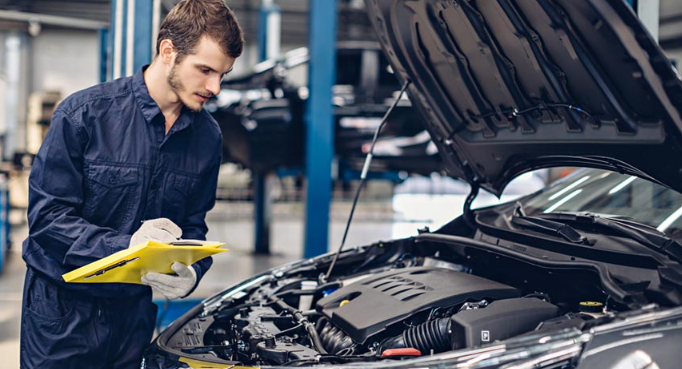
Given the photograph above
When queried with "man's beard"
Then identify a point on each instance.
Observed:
(177, 87)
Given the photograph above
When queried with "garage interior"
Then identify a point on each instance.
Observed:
(268, 215)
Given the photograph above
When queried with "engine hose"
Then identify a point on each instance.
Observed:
(309, 327)
(333, 339)
(432, 335)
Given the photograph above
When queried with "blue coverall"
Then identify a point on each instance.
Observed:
(105, 166)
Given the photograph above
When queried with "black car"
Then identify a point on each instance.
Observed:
(262, 113)
(586, 273)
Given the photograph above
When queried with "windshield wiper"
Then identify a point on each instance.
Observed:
(549, 226)
(642, 233)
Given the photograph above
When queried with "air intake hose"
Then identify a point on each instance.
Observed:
(333, 339)
(432, 335)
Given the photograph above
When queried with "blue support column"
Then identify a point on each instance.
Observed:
(103, 54)
(268, 47)
(268, 30)
(3, 239)
(262, 211)
(130, 36)
(143, 33)
(116, 37)
(320, 125)
(6, 210)
(262, 33)
(123, 52)
(110, 42)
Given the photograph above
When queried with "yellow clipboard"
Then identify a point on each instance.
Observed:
(129, 265)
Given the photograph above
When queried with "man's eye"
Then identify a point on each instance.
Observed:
(205, 70)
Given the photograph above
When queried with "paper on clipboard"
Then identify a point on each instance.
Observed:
(129, 265)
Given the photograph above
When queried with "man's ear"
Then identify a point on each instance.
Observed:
(167, 51)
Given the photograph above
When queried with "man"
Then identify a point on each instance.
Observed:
(124, 162)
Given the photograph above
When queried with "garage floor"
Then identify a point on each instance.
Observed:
(231, 223)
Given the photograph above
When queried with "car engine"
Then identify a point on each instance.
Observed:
(390, 314)
(369, 307)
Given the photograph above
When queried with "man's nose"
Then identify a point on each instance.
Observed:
(213, 85)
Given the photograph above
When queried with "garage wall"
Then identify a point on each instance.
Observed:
(65, 61)
(14, 69)
(68, 61)
(249, 57)
(671, 19)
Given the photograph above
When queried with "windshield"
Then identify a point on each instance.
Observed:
(612, 195)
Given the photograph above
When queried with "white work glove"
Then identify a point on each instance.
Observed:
(160, 229)
(172, 286)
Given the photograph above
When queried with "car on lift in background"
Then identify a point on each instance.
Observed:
(585, 273)
(261, 114)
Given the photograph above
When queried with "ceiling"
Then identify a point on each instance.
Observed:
(353, 22)
(97, 10)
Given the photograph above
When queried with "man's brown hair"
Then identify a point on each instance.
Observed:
(190, 19)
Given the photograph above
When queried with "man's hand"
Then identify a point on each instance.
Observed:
(160, 229)
(172, 286)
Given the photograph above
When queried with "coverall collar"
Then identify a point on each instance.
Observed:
(150, 110)
(148, 106)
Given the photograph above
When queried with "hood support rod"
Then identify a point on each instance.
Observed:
(468, 214)
(363, 178)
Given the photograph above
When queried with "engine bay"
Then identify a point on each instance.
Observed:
(368, 307)
(385, 303)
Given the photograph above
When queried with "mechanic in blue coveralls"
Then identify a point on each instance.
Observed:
(135, 149)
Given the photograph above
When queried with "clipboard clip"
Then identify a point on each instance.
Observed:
(110, 267)
(185, 243)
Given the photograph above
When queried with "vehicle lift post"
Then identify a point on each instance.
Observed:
(320, 125)
(269, 20)
(134, 23)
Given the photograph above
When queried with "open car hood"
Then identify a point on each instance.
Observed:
(509, 86)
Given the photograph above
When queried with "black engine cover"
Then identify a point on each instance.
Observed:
(387, 298)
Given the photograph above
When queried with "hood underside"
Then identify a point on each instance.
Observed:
(509, 86)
